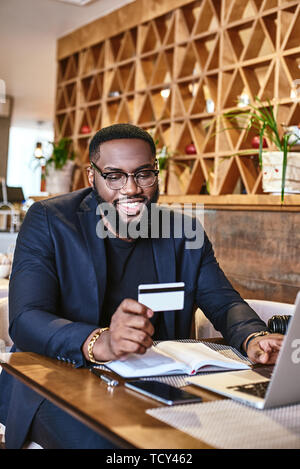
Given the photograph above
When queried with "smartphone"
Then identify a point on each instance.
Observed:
(163, 392)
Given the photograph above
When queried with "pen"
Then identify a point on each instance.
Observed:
(109, 381)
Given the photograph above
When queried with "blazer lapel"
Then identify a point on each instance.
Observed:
(96, 249)
(164, 257)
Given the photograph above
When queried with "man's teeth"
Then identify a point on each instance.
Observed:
(130, 204)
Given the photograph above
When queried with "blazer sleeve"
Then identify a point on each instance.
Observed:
(222, 304)
(35, 321)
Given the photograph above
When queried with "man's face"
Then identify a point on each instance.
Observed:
(129, 156)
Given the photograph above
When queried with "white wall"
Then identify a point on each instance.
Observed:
(22, 167)
(29, 30)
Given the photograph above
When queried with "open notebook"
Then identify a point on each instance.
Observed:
(174, 357)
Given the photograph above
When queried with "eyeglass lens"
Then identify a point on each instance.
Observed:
(142, 178)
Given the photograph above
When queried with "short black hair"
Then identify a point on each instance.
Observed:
(117, 131)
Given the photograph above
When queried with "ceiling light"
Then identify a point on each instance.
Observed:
(165, 93)
(38, 152)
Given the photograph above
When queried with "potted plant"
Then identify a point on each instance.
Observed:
(279, 166)
(167, 170)
(59, 167)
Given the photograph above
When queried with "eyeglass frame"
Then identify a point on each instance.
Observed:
(105, 175)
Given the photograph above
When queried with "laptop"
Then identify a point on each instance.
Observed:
(263, 387)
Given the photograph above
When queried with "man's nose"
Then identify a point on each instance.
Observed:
(131, 187)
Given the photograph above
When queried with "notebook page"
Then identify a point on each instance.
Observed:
(148, 364)
(196, 355)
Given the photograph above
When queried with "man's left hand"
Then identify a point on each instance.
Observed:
(265, 349)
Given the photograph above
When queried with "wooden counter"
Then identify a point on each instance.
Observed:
(238, 202)
(116, 413)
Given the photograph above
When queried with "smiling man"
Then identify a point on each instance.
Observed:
(73, 293)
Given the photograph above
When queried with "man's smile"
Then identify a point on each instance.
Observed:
(130, 206)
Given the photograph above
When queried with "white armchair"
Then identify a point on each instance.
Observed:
(267, 309)
(264, 309)
(5, 340)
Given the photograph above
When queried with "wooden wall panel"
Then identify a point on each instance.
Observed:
(119, 20)
(210, 57)
(258, 251)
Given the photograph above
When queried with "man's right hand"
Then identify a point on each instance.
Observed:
(130, 331)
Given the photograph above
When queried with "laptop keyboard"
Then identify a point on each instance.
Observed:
(255, 389)
(265, 371)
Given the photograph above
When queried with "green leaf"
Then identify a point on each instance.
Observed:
(61, 153)
(261, 139)
(284, 165)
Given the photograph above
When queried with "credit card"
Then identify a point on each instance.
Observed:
(162, 296)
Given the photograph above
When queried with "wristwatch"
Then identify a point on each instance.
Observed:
(253, 336)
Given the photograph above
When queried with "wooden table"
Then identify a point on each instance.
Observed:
(116, 413)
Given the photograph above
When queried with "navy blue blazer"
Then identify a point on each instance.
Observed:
(57, 289)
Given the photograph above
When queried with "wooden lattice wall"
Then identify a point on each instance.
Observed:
(206, 53)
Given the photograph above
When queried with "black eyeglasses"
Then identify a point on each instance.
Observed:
(116, 180)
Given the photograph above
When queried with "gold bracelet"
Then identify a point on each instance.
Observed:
(92, 343)
(253, 336)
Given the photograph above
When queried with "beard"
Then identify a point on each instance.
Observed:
(128, 227)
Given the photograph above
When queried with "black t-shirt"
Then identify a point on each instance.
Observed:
(129, 264)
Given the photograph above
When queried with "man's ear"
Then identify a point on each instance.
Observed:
(90, 174)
